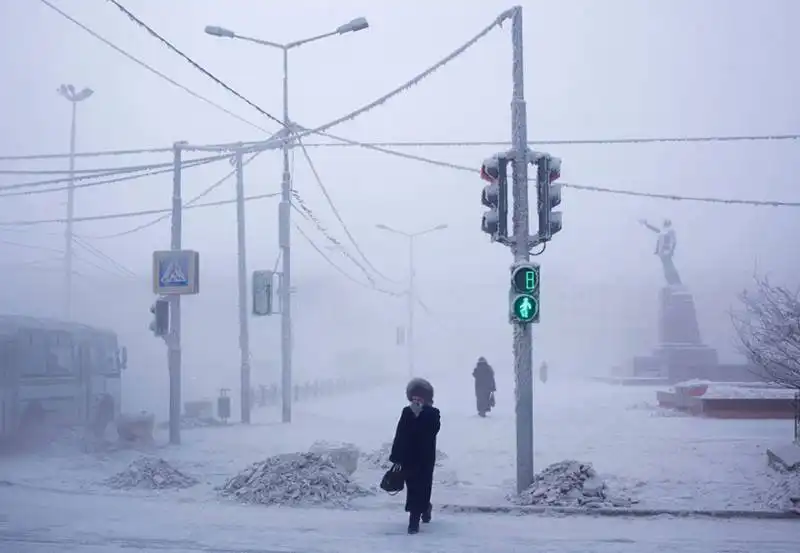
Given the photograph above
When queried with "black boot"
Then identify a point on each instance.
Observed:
(426, 516)
(413, 523)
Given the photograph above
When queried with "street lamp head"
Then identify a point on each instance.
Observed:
(382, 226)
(213, 30)
(357, 24)
(82, 95)
(68, 92)
(440, 227)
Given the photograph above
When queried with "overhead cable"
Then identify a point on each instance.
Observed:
(151, 69)
(337, 268)
(454, 144)
(187, 165)
(335, 210)
(189, 203)
(114, 172)
(569, 141)
(128, 214)
(193, 63)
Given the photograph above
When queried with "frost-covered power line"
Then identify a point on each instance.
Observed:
(193, 63)
(126, 214)
(113, 172)
(152, 70)
(335, 210)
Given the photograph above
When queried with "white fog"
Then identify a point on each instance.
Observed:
(659, 110)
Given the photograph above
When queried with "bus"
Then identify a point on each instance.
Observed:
(56, 375)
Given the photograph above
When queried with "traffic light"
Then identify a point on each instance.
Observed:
(160, 322)
(495, 197)
(547, 173)
(524, 304)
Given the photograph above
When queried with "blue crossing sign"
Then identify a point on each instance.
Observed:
(176, 272)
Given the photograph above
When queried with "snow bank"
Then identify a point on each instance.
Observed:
(150, 473)
(295, 479)
(345, 455)
(737, 390)
(569, 484)
(379, 459)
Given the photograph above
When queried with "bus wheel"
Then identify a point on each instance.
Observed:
(32, 421)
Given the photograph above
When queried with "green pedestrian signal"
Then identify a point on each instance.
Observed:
(525, 308)
(524, 294)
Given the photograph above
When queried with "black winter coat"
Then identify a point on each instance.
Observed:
(414, 448)
(415, 438)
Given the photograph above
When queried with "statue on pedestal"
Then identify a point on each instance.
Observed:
(665, 249)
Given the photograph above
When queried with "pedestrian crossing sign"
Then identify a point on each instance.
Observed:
(176, 272)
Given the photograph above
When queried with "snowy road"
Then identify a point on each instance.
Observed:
(47, 522)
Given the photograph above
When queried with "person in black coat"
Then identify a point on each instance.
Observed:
(414, 450)
(484, 386)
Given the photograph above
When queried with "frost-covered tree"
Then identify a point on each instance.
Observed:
(768, 328)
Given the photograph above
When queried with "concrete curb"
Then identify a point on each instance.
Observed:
(619, 512)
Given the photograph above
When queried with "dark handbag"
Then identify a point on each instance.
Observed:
(393, 482)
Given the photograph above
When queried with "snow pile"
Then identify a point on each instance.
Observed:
(295, 479)
(569, 484)
(379, 459)
(150, 473)
(655, 410)
(345, 455)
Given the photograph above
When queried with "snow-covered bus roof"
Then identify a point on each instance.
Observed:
(17, 322)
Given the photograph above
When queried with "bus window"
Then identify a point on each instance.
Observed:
(32, 359)
(60, 354)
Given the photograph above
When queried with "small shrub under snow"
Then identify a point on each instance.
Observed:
(569, 484)
(295, 479)
(150, 473)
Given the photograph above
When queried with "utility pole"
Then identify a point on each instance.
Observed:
(244, 330)
(411, 295)
(523, 340)
(174, 341)
(284, 238)
(74, 97)
(411, 299)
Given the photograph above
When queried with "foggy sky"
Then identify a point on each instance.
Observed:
(611, 69)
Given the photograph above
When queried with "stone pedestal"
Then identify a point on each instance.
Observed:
(680, 353)
(677, 317)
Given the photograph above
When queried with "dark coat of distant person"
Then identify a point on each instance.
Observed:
(484, 386)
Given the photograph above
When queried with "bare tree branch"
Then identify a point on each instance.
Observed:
(768, 327)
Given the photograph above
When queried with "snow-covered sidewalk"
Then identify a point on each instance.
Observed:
(639, 451)
(39, 522)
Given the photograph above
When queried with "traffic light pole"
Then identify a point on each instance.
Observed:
(174, 341)
(523, 340)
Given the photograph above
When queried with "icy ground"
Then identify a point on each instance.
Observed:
(58, 522)
(661, 461)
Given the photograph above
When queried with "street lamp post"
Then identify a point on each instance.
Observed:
(284, 208)
(410, 294)
(68, 91)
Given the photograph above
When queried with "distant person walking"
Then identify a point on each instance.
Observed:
(543, 372)
(414, 450)
(484, 386)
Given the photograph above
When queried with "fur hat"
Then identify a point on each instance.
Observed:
(419, 387)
